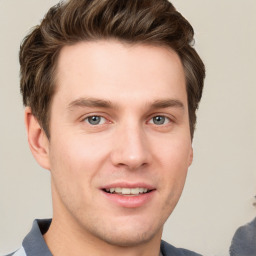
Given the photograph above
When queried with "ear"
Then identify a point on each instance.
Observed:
(191, 156)
(37, 139)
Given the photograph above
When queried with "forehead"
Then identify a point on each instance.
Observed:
(117, 71)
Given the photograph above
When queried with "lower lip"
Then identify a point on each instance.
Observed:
(130, 201)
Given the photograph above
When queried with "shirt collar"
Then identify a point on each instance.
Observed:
(34, 243)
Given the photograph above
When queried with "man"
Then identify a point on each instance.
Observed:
(111, 89)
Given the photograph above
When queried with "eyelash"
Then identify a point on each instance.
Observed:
(86, 119)
(151, 120)
(161, 116)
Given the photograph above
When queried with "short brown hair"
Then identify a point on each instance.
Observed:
(132, 21)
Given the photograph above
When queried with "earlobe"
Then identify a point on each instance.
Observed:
(191, 156)
(37, 139)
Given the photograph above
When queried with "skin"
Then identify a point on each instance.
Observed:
(138, 82)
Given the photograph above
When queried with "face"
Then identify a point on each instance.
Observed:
(120, 142)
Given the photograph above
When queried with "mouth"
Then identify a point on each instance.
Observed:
(127, 195)
(127, 191)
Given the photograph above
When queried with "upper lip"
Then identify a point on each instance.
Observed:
(129, 185)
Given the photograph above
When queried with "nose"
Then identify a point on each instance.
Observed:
(130, 148)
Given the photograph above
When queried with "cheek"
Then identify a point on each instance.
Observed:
(174, 152)
(74, 165)
(174, 160)
(76, 160)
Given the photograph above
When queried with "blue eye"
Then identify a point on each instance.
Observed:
(95, 120)
(159, 120)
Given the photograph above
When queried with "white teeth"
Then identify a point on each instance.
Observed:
(135, 191)
(128, 191)
(118, 190)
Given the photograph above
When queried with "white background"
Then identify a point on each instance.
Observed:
(221, 183)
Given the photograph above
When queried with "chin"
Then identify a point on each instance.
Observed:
(133, 231)
(128, 233)
(128, 239)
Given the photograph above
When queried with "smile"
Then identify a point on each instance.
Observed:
(127, 191)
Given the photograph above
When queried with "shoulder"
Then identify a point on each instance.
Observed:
(20, 252)
(243, 242)
(33, 243)
(170, 250)
(248, 230)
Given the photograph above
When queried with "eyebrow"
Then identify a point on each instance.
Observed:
(101, 103)
(90, 102)
(167, 103)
